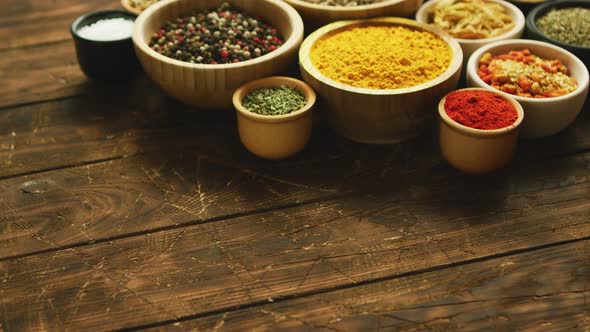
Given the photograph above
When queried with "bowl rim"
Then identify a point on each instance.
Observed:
(306, 64)
(75, 26)
(344, 9)
(129, 8)
(272, 81)
(473, 62)
(539, 10)
(295, 21)
(482, 132)
(518, 26)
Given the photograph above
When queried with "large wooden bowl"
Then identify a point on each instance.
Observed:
(316, 16)
(380, 116)
(212, 86)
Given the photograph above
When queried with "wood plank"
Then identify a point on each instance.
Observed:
(284, 253)
(76, 200)
(31, 22)
(543, 290)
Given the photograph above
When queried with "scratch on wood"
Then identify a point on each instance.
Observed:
(219, 323)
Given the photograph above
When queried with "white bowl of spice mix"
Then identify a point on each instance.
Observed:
(474, 23)
(549, 82)
(274, 116)
(317, 13)
(380, 79)
(201, 51)
(478, 129)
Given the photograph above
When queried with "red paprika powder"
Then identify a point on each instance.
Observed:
(480, 109)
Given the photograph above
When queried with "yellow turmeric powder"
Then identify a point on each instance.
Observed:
(381, 56)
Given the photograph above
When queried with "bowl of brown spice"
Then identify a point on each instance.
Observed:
(317, 13)
(201, 51)
(380, 79)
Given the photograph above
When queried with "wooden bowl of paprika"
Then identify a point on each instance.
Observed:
(478, 129)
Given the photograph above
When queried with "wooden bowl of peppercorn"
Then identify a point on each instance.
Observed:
(317, 13)
(201, 51)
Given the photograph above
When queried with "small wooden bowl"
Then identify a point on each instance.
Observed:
(379, 116)
(474, 150)
(274, 136)
(316, 16)
(212, 86)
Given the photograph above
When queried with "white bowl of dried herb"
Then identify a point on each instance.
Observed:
(274, 116)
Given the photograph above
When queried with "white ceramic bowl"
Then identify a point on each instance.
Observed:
(378, 116)
(212, 86)
(542, 116)
(424, 15)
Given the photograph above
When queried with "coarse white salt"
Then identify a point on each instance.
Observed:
(107, 29)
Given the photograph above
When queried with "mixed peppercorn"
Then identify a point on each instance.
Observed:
(343, 3)
(223, 35)
(527, 75)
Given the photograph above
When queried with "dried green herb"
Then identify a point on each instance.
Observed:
(567, 25)
(277, 100)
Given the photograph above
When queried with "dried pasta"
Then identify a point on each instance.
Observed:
(471, 19)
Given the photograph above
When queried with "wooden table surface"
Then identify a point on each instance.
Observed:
(123, 209)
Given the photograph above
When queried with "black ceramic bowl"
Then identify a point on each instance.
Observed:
(104, 59)
(533, 32)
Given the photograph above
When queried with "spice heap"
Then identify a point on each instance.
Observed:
(141, 5)
(223, 35)
(472, 19)
(343, 3)
(524, 74)
(480, 109)
(567, 25)
(381, 56)
(109, 29)
(277, 100)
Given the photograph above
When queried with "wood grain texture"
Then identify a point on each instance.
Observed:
(544, 290)
(181, 272)
(31, 22)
